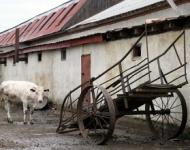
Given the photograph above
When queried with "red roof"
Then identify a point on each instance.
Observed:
(50, 22)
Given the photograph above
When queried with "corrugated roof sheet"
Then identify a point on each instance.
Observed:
(44, 24)
(118, 9)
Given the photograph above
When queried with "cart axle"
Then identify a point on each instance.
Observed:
(143, 112)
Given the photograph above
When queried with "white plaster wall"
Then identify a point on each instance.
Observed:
(66, 74)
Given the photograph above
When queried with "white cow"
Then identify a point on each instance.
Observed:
(29, 93)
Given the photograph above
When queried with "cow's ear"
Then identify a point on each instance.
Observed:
(33, 90)
(46, 90)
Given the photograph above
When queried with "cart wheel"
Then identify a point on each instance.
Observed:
(68, 119)
(96, 114)
(171, 122)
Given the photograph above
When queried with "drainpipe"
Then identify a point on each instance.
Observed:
(174, 7)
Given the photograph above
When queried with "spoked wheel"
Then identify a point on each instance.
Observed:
(170, 119)
(96, 114)
(68, 116)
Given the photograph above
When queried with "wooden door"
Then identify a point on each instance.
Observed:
(85, 72)
(85, 68)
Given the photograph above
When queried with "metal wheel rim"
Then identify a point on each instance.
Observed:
(66, 120)
(178, 103)
(102, 139)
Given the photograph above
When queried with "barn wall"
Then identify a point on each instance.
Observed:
(66, 74)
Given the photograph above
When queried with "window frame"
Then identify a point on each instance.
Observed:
(39, 56)
(63, 54)
(137, 51)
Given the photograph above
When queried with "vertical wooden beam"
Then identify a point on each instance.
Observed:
(16, 59)
(123, 85)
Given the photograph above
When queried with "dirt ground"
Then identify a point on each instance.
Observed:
(130, 134)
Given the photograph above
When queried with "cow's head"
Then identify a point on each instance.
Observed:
(38, 93)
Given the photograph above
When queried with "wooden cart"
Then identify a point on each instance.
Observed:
(94, 106)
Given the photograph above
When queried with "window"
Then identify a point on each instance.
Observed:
(3, 61)
(14, 61)
(63, 54)
(137, 51)
(39, 57)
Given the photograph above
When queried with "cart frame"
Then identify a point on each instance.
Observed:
(103, 104)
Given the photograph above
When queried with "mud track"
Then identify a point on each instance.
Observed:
(130, 134)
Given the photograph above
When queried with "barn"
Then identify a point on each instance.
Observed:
(48, 59)
(63, 48)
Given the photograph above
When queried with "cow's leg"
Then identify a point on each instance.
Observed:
(25, 111)
(7, 108)
(31, 113)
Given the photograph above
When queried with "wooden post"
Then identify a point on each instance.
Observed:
(16, 57)
(123, 85)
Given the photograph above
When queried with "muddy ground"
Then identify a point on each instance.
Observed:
(130, 134)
